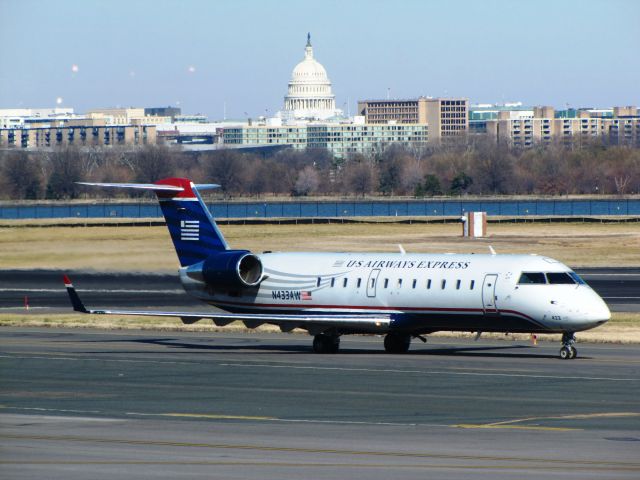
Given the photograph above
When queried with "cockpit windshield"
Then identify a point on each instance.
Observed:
(532, 277)
(577, 278)
(558, 278)
(550, 278)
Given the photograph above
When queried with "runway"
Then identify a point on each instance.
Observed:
(97, 404)
(44, 291)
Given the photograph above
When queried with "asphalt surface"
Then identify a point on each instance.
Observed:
(44, 291)
(97, 404)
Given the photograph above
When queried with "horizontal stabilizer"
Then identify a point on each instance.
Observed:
(155, 187)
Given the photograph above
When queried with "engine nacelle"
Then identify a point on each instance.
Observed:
(232, 269)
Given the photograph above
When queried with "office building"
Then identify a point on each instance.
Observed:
(544, 126)
(83, 134)
(341, 139)
(445, 116)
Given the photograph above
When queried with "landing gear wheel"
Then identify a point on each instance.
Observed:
(397, 343)
(568, 351)
(324, 343)
(565, 353)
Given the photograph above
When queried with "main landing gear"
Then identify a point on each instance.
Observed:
(326, 343)
(568, 350)
(397, 343)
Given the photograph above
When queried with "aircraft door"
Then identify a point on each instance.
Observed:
(372, 281)
(489, 294)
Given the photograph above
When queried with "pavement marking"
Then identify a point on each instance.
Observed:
(85, 359)
(502, 469)
(587, 275)
(428, 372)
(311, 367)
(216, 416)
(510, 424)
(383, 466)
(325, 451)
(514, 427)
(577, 416)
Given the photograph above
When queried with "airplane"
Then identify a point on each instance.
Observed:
(399, 295)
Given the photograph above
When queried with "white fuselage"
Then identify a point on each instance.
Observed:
(422, 292)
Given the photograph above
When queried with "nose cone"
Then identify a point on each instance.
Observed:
(589, 310)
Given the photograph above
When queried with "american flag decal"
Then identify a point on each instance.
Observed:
(305, 295)
(190, 230)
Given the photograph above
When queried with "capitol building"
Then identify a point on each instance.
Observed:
(309, 95)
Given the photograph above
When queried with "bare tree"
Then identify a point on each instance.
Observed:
(66, 171)
(358, 178)
(152, 163)
(20, 176)
(226, 169)
(308, 181)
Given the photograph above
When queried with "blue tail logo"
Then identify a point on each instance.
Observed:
(193, 230)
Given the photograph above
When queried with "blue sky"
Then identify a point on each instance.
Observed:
(241, 52)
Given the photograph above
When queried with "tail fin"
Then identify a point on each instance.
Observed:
(193, 230)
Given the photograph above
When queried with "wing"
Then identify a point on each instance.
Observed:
(314, 323)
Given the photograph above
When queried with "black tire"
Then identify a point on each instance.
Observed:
(397, 343)
(318, 344)
(326, 343)
(574, 352)
(565, 353)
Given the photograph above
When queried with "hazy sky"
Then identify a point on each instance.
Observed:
(202, 55)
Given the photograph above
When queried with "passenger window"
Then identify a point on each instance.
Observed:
(399, 283)
(344, 283)
(557, 278)
(458, 284)
(473, 284)
(413, 285)
(386, 282)
(532, 277)
(373, 282)
(333, 282)
(429, 284)
(444, 284)
(318, 282)
(359, 283)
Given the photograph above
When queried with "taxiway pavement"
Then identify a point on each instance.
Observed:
(78, 404)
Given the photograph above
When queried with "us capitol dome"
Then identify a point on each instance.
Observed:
(309, 95)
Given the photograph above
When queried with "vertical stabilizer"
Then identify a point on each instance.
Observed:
(194, 233)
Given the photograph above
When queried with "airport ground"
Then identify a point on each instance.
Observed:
(94, 403)
(79, 404)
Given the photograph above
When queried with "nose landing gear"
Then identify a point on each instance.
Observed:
(568, 350)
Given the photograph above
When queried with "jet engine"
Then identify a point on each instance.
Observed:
(229, 269)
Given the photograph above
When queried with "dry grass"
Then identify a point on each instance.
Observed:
(149, 248)
(623, 327)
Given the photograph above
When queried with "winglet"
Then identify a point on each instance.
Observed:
(78, 306)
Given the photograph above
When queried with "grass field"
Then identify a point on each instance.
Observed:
(118, 248)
